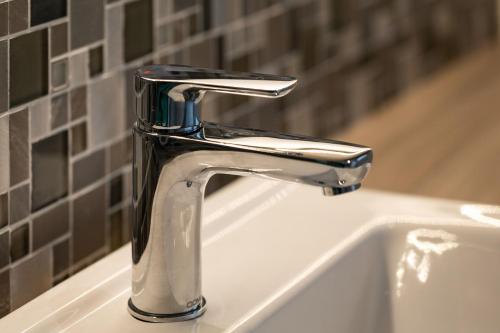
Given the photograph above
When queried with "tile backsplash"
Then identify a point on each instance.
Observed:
(66, 102)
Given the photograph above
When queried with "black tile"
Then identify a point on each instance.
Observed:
(50, 225)
(78, 138)
(49, 170)
(47, 10)
(87, 22)
(4, 19)
(19, 242)
(138, 29)
(115, 190)
(59, 39)
(207, 14)
(78, 102)
(18, 15)
(60, 253)
(88, 170)
(59, 111)
(4, 249)
(4, 98)
(4, 209)
(19, 203)
(4, 293)
(19, 146)
(95, 61)
(89, 224)
(28, 67)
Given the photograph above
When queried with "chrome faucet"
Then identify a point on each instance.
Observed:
(175, 154)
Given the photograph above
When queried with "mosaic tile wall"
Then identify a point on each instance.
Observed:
(66, 105)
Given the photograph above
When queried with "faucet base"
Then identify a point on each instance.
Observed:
(167, 318)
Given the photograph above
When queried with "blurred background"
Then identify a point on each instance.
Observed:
(417, 80)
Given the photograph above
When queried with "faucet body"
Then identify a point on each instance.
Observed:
(171, 169)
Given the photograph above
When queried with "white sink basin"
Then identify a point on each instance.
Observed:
(283, 258)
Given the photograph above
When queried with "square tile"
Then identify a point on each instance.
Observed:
(115, 190)
(4, 249)
(89, 224)
(19, 242)
(19, 146)
(88, 170)
(114, 37)
(50, 225)
(87, 22)
(49, 156)
(18, 15)
(78, 138)
(4, 209)
(4, 152)
(4, 293)
(47, 10)
(59, 39)
(138, 29)
(95, 61)
(60, 253)
(31, 278)
(19, 203)
(78, 102)
(40, 118)
(59, 70)
(4, 19)
(29, 60)
(59, 111)
(4, 97)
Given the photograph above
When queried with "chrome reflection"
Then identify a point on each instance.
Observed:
(421, 245)
(482, 213)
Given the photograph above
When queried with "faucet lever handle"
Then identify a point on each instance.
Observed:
(169, 97)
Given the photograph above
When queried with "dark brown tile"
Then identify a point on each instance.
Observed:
(19, 242)
(4, 19)
(116, 226)
(18, 15)
(47, 10)
(78, 102)
(87, 22)
(49, 170)
(78, 138)
(138, 29)
(4, 293)
(50, 225)
(4, 249)
(115, 190)
(29, 60)
(31, 278)
(59, 111)
(59, 39)
(60, 253)
(88, 170)
(19, 203)
(4, 209)
(4, 97)
(95, 61)
(19, 146)
(89, 224)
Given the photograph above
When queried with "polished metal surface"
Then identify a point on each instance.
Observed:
(172, 168)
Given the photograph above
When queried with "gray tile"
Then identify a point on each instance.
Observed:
(49, 157)
(47, 10)
(50, 225)
(19, 242)
(95, 61)
(78, 138)
(59, 74)
(59, 39)
(138, 29)
(88, 170)
(29, 60)
(59, 111)
(78, 68)
(40, 118)
(107, 109)
(4, 21)
(4, 98)
(19, 203)
(31, 278)
(87, 22)
(78, 102)
(4, 209)
(4, 152)
(114, 37)
(60, 253)
(4, 293)
(18, 15)
(89, 224)
(19, 146)
(4, 249)
(117, 154)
